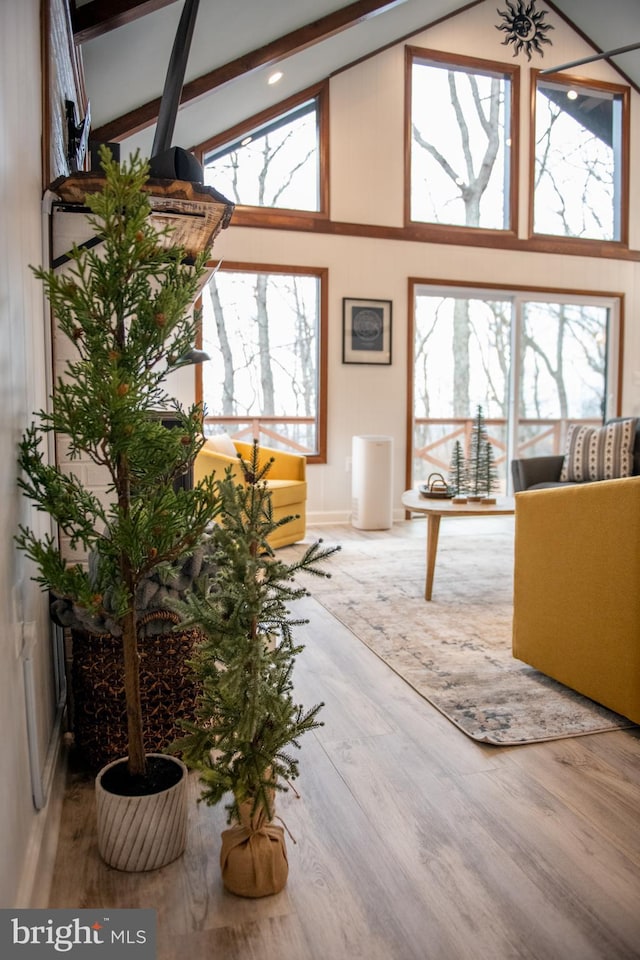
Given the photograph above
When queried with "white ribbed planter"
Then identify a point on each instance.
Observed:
(142, 833)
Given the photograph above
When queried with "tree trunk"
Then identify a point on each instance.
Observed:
(304, 342)
(461, 337)
(559, 377)
(264, 346)
(228, 383)
(137, 759)
(471, 192)
(137, 763)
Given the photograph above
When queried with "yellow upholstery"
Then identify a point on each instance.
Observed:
(577, 589)
(286, 481)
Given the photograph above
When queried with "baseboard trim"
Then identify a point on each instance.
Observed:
(328, 517)
(37, 871)
(325, 518)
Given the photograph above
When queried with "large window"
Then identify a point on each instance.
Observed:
(533, 361)
(265, 330)
(460, 136)
(274, 160)
(580, 168)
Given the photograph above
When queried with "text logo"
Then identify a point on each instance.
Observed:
(80, 934)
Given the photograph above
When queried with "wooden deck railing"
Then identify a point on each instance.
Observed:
(262, 429)
(540, 437)
(543, 437)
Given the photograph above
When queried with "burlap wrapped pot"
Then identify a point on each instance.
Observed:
(253, 858)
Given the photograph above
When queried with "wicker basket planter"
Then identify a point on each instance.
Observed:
(99, 715)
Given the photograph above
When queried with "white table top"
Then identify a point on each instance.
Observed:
(413, 500)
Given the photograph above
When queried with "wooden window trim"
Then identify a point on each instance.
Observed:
(476, 65)
(269, 216)
(587, 242)
(441, 234)
(322, 273)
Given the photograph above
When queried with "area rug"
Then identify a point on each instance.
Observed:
(455, 650)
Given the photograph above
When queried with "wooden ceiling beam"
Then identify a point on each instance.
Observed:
(100, 16)
(312, 33)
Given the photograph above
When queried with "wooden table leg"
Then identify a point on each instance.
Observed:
(433, 529)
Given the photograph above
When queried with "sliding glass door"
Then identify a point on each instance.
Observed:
(562, 376)
(533, 362)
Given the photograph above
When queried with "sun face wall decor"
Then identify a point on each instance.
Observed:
(524, 27)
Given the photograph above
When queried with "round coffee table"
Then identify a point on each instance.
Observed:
(435, 509)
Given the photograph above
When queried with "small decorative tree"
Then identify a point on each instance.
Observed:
(247, 720)
(458, 475)
(490, 482)
(125, 308)
(477, 468)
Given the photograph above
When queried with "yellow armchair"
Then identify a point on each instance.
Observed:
(286, 481)
(577, 589)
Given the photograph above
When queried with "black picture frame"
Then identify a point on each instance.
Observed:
(366, 331)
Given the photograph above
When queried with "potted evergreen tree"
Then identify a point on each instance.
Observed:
(248, 724)
(126, 308)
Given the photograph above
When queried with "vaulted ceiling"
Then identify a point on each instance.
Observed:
(237, 44)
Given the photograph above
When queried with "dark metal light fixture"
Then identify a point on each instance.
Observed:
(591, 59)
(167, 162)
(77, 135)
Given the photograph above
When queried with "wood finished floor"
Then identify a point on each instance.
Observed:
(413, 841)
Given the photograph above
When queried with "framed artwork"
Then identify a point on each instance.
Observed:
(366, 331)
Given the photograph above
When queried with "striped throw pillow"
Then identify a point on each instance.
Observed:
(599, 453)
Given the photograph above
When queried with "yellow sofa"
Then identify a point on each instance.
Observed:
(577, 589)
(286, 480)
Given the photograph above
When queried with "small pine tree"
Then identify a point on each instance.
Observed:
(490, 482)
(458, 478)
(477, 457)
(247, 720)
(126, 310)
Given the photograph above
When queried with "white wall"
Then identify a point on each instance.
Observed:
(366, 187)
(24, 833)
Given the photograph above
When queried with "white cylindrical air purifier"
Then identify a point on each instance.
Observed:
(371, 482)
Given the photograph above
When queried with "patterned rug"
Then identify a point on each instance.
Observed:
(455, 651)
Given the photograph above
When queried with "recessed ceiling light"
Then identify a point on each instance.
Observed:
(246, 140)
(275, 77)
(572, 94)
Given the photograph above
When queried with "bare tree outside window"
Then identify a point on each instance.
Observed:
(562, 371)
(460, 147)
(563, 350)
(460, 141)
(459, 170)
(435, 361)
(262, 332)
(440, 391)
(276, 166)
(262, 329)
(578, 144)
